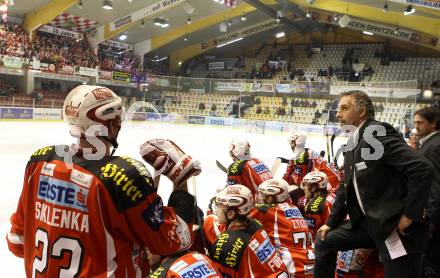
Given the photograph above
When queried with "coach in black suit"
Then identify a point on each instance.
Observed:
(384, 192)
(427, 124)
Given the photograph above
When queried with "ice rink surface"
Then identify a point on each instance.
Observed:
(18, 140)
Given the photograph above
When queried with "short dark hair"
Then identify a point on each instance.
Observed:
(362, 100)
(431, 114)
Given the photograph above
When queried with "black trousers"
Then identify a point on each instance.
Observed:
(431, 258)
(342, 238)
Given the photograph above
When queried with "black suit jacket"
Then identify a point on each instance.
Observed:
(431, 150)
(391, 184)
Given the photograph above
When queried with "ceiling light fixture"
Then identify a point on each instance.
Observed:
(162, 22)
(280, 35)
(107, 5)
(229, 42)
(409, 10)
(367, 33)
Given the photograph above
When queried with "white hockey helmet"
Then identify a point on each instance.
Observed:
(236, 196)
(86, 106)
(278, 188)
(316, 177)
(299, 139)
(240, 149)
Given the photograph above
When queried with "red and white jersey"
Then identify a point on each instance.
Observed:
(317, 211)
(190, 265)
(250, 173)
(212, 229)
(300, 166)
(289, 233)
(91, 218)
(333, 175)
(247, 253)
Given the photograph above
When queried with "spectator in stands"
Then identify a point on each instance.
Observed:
(202, 106)
(213, 107)
(314, 105)
(266, 110)
(257, 101)
(284, 100)
(317, 114)
(258, 110)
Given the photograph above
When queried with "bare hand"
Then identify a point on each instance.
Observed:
(404, 223)
(322, 232)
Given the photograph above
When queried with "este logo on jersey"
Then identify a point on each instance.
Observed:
(62, 193)
(70, 200)
(265, 251)
(197, 270)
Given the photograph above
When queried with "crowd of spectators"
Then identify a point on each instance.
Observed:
(112, 58)
(14, 40)
(60, 50)
(6, 89)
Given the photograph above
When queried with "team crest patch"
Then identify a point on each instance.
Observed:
(72, 111)
(153, 215)
(102, 93)
(48, 169)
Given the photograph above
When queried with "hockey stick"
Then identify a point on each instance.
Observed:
(328, 145)
(198, 218)
(276, 164)
(221, 167)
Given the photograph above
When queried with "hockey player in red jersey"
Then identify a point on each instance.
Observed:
(319, 201)
(186, 265)
(183, 264)
(245, 170)
(244, 249)
(303, 160)
(211, 228)
(87, 213)
(286, 227)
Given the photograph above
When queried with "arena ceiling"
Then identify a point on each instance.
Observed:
(207, 16)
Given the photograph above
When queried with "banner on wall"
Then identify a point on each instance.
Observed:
(16, 113)
(117, 44)
(198, 120)
(47, 114)
(48, 67)
(155, 8)
(12, 62)
(66, 69)
(86, 71)
(376, 91)
(229, 86)
(286, 88)
(432, 4)
(121, 76)
(60, 32)
(138, 78)
(107, 75)
(384, 30)
(216, 65)
(259, 87)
